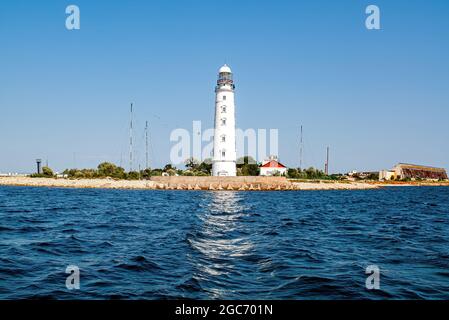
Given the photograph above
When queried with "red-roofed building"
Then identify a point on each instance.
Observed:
(272, 167)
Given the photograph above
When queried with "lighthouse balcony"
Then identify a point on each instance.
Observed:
(225, 81)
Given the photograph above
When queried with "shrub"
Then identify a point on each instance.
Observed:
(156, 172)
(293, 173)
(46, 173)
(133, 175)
(171, 172)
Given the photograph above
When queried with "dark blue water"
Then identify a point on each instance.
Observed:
(224, 245)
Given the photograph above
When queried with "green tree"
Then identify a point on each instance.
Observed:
(47, 172)
(169, 166)
(133, 175)
(156, 172)
(192, 164)
(145, 174)
(248, 166)
(293, 173)
(250, 170)
(78, 174)
(302, 174)
(89, 173)
(206, 166)
(171, 172)
(107, 169)
(242, 161)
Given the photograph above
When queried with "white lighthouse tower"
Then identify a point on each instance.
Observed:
(224, 159)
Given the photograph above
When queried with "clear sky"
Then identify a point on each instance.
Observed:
(376, 97)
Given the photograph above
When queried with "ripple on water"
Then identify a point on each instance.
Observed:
(139, 264)
(132, 244)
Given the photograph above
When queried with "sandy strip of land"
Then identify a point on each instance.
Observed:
(413, 184)
(75, 183)
(145, 184)
(334, 186)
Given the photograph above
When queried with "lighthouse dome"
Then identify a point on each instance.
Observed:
(225, 68)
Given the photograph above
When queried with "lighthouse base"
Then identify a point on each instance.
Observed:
(224, 169)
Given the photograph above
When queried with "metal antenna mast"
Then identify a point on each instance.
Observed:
(300, 151)
(146, 146)
(131, 140)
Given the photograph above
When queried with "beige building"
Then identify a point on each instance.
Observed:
(413, 172)
(386, 175)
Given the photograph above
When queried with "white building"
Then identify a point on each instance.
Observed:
(272, 167)
(224, 155)
(386, 175)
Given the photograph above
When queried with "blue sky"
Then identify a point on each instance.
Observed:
(375, 97)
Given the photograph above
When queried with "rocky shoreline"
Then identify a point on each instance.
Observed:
(187, 183)
(207, 183)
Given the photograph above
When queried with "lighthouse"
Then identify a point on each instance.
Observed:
(224, 155)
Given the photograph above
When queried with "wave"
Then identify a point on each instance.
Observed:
(139, 264)
(170, 245)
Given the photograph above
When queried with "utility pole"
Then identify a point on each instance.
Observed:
(146, 146)
(300, 151)
(131, 140)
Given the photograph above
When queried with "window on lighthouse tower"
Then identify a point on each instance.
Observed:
(223, 109)
(223, 153)
(223, 121)
(223, 138)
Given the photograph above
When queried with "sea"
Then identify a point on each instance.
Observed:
(390, 243)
